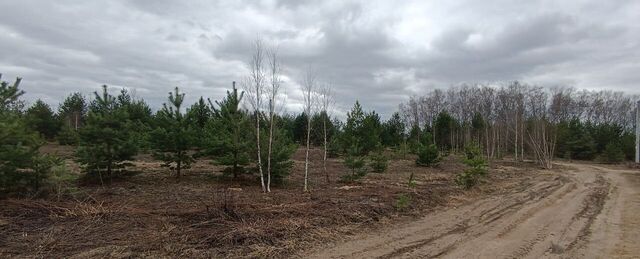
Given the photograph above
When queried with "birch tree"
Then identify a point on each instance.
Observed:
(326, 101)
(275, 83)
(308, 87)
(254, 86)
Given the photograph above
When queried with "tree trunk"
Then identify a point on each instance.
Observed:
(76, 121)
(306, 162)
(522, 129)
(486, 136)
(269, 149)
(516, 140)
(324, 158)
(258, 146)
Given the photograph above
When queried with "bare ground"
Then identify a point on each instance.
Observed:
(576, 210)
(585, 211)
(148, 213)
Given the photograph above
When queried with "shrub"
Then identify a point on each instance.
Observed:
(467, 179)
(41, 170)
(61, 181)
(428, 155)
(472, 151)
(475, 162)
(356, 164)
(478, 167)
(403, 201)
(379, 162)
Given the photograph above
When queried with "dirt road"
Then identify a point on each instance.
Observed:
(584, 212)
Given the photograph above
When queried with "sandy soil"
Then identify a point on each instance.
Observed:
(585, 211)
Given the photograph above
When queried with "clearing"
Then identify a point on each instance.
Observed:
(575, 210)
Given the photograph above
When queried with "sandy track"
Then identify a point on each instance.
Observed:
(585, 212)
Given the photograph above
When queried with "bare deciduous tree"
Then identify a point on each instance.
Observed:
(254, 86)
(326, 101)
(542, 131)
(308, 87)
(275, 83)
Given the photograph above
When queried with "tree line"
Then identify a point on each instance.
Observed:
(525, 120)
(109, 130)
(247, 133)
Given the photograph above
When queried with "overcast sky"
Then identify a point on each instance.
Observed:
(379, 52)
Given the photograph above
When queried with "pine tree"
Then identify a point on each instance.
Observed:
(444, 126)
(106, 143)
(353, 130)
(198, 115)
(354, 161)
(318, 124)
(17, 144)
(140, 117)
(300, 128)
(378, 161)
(612, 153)
(20, 164)
(352, 139)
(73, 111)
(226, 134)
(41, 118)
(18, 149)
(10, 96)
(174, 136)
(393, 131)
(428, 155)
(370, 132)
(414, 139)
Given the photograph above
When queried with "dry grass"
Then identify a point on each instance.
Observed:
(151, 214)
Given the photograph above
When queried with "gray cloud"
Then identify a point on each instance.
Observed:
(375, 51)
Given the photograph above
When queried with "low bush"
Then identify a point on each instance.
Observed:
(403, 201)
(356, 164)
(62, 182)
(478, 167)
(378, 162)
(428, 155)
(470, 177)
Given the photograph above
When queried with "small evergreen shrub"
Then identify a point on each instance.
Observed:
(478, 167)
(379, 162)
(403, 201)
(428, 155)
(356, 164)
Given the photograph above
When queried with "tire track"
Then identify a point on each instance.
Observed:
(544, 217)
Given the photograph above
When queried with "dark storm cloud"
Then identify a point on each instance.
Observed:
(375, 51)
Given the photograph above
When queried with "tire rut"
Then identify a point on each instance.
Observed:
(541, 217)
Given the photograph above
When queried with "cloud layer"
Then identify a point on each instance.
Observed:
(379, 52)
